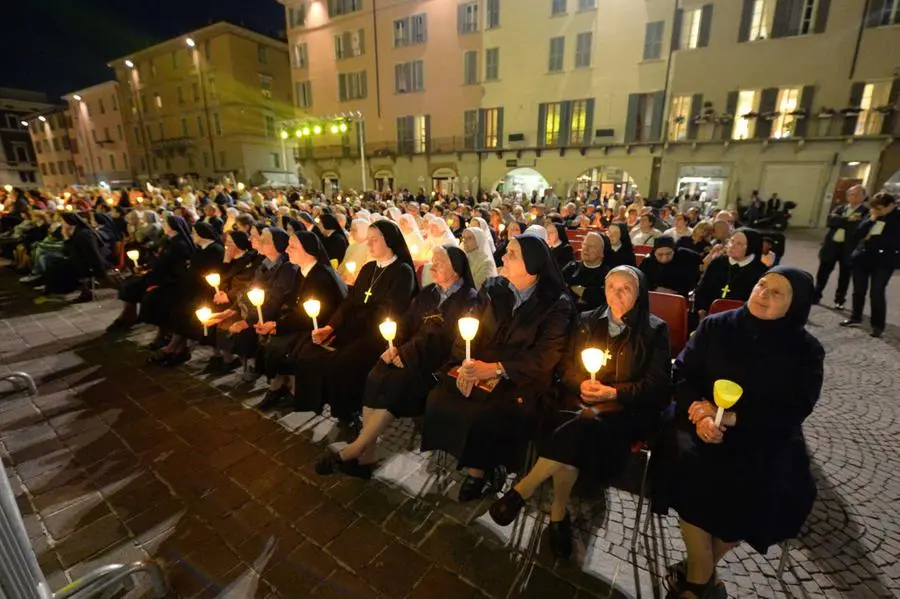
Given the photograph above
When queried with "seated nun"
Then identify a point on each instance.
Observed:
(669, 269)
(600, 417)
(193, 292)
(476, 244)
(235, 336)
(587, 278)
(357, 254)
(81, 258)
(401, 380)
(733, 274)
(151, 290)
(350, 343)
(486, 409)
(560, 248)
(747, 478)
(290, 336)
(412, 236)
(507, 233)
(333, 237)
(618, 250)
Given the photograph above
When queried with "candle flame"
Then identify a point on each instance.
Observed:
(203, 314)
(388, 329)
(468, 327)
(257, 297)
(213, 279)
(312, 307)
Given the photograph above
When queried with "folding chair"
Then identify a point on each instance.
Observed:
(674, 310)
(723, 305)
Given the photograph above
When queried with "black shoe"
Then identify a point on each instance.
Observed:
(876, 333)
(159, 343)
(119, 325)
(228, 367)
(472, 488)
(839, 306)
(275, 399)
(507, 508)
(333, 464)
(214, 364)
(851, 322)
(158, 359)
(561, 537)
(83, 298)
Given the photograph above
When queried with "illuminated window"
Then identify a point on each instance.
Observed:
(157, 100)
(874, 95)
(299, 55)
(747, 103)
(578, 130)
(788, 102)
(690, 28)
(349, 44)
(759, 20)
(491, 127)
(551, 124)
(679, 117)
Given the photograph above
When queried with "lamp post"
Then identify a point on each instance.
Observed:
(284, 136)
(132, 75)
(209, 131)
(82, 129)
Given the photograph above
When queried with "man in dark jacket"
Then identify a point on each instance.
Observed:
(838, 245)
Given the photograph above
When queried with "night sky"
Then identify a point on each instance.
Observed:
(58, 46)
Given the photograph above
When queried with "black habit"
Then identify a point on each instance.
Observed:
(593, 279)
(155, 290)
(680, 274)
(624, 254)
(724, 280)
(194, 292)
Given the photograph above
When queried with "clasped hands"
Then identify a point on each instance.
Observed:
(472, 371)
(392, 356)
(702, 415)
(598, 398)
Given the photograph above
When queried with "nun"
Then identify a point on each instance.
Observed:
(404, 375)
(290, 335)
(412, 236)
(669, 269)
(733, 274)
(83, 258)
(486, 409)
(618, 251)
(350, 340)
(747, 479)
(507, 233)
(357, 254)
(560, 248)
(599, 417)
(333, 237)
(586, 278)
(477, 246)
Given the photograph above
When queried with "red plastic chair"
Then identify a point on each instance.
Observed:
(420, 271)
(643, 249)
(674, 310)
(723, 305)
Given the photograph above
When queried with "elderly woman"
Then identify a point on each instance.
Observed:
(618, 251)
(558, 240)
(600, 419)
(670, 269)
(698, 240)
(486, 408)
(733, 274)
(476, 245)
(439, 232)
(645, 232)
(748, 478)
(400, 381)
(587, 277)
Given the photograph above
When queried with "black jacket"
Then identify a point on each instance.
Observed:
(318, 284)
(172, 262)
(846, 218)
(881, 250)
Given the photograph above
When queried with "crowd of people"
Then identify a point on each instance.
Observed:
(360, 303)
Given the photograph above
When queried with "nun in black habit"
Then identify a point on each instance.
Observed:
(333, 237)
(290, 336)
(733, 274)
(587, 277)
(748, 479)
(619, 251)
(600, 419)
(192, 292)
(669, 269)
(400, 381)
(383, 289)
(83, 258)
(485, 410)
(560, 248)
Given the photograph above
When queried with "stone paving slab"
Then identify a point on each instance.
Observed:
(115, 460)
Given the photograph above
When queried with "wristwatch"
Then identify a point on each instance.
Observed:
(499, 372)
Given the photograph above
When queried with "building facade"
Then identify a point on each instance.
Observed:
(18, 160)
(101, 152)
(207, 105)
(717, 97)
(51, 134)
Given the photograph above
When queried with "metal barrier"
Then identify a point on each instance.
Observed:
(20, 573)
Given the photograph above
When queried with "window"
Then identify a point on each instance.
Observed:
(492, 118)
(174, 60)
(217, 124)
(262, 54)
(55, 145)
(180, 92)
(119, 131)
(746, 105)
(162, 131)
(205, 159)
(142, 99)
(336, 8)
(52, 166)
(890, 13)
(690, 28)
(297, 16)
(470, 67)
(557, 54)
(412, 134)
(211, 85)
(304, 94)
(587, 4)
(492, 18)
(470, 129)
(66, 144)
(157, 100)
(643, 126)
(678, 117)
(112, 163)
(583, 44)
(275, 160)
(200, 131)
(102, 107)
(759, 20)
(299, 56)
(808, 16)
(410, 31)
(467, 21)
(579, 123)
(149, 133)
(409, 77)
(558, 7)
(653, 33)
(44, 169)
(552, 117)
(106, 136)
(93, 136)
(21, 153)
(349, 44)
(71, 165)
(788, 102)
(137, 136)
(152, 64)
(352, 86)
(184, 128)
(265, 85)
(874, 95)
(270, 125)
(124, 161)
(195, 90)
(492, 64)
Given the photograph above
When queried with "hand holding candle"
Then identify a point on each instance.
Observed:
(257, 297)
(203, 315)
(133, 255)
(468, 328)
(594, 360)
(214, 280)
(313, 308)
(388, 330)
(725, 393)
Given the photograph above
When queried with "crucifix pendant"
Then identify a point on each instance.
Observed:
(368, 294)
(725, 291)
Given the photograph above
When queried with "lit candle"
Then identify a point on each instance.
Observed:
(388, 330)
(501, 228)
(69, 208)
(140, 200)
(214, 280)
(8, 188)
(594, 359)
(203, 314)
(351, 267)
(413, 250)
(257, 297)
(133, 255)
(725, 393)
(313, 307)
(468, 328)
(241, 187)
(178, 199)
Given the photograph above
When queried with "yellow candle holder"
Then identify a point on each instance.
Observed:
(725, 393)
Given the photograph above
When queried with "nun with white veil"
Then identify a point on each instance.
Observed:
(357, 252)
(484, 226)
(438, 234)
(413, 237)
(536, 231)
(394, 213)
(477, 245)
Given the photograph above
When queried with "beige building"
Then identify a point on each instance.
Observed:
(101, 152)
(51, 134)
(206, 105)
(717, 97)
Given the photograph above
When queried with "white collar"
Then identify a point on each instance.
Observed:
(386, 263)
(204, 243)
(741, 263)
(304, 270)
(616, 247)
(586, 265)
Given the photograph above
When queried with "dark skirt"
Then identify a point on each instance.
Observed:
(242, 344)
(598, 448)
(400, 391)
(738, 492)
(61, 275)
(280, 353)
(156, 306)
(482, 431)
(132, 289)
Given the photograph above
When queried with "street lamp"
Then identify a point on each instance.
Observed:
(129, 64)
(190, 42)
(76, 97)
(42, 119)
(284, 136)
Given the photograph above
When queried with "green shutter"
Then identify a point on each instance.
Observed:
(479, 136)
(890, 119)
(822, 16)
(542, 125)
(706, 14)
(676, 28)
(634, 102)
(696, 110)
(876, 10)
(856, 94)
(565, 124)
(746, 21)
(767, 101)
(589, 122)
(801, 128)
(731, 103)
(500, 127)
(659, 110)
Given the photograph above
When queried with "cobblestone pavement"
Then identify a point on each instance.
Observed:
(116, 461)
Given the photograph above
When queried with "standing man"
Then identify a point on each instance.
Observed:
(839, 244)
(875, 258)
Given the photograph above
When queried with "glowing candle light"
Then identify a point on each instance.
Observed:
(313, 308)
(594, 359)
(388, 330)
(351, 267)
(69, 208)
(413, 250)
(468, 328)
(133, 255)
(8, 188)
(725, 393)
(203, 315)
(501, 228)
(214, 280)
(257, 297)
